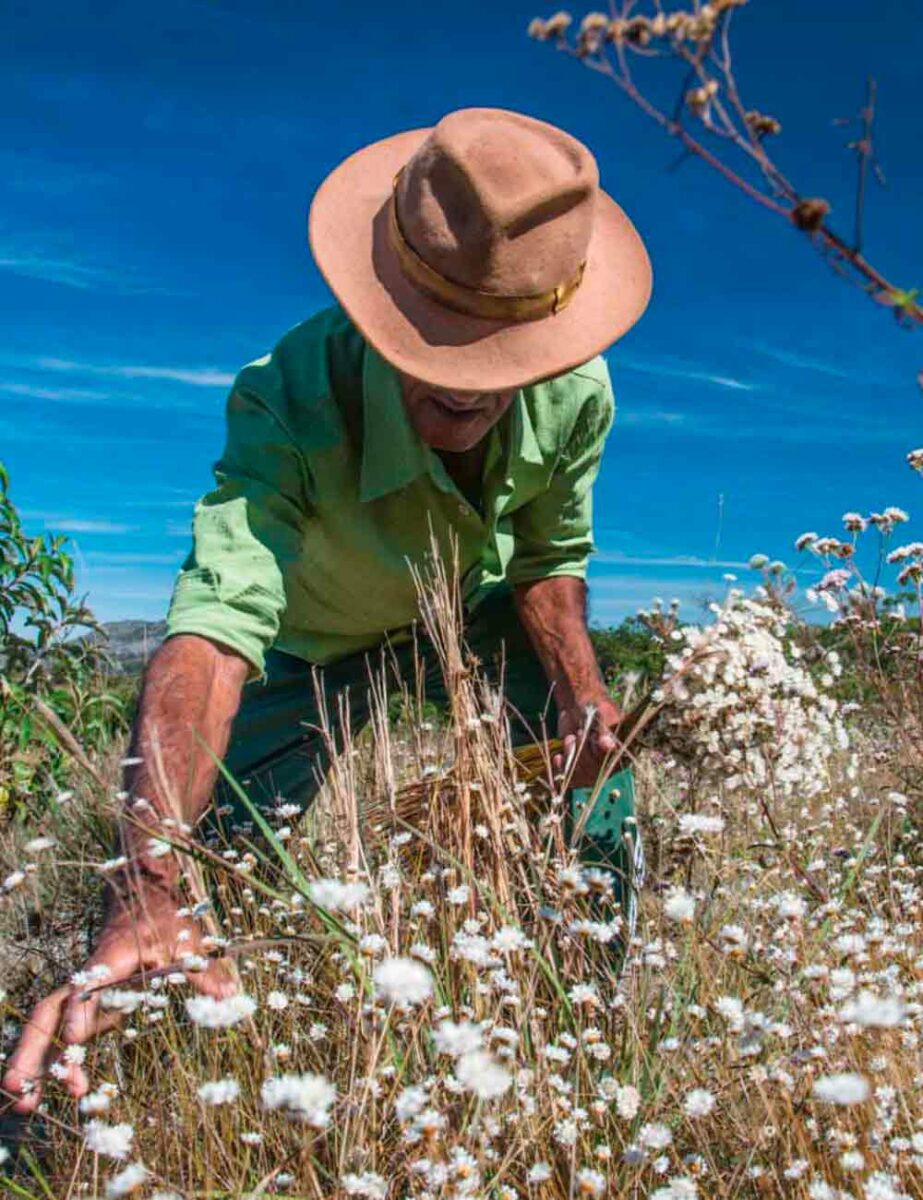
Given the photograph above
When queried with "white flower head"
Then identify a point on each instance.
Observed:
(336, 896)
(112, 1141)
(457, 1039)
(219, 1091)
(127, 1181)
(402, 981)
(679, 906)
(305, 1098)
(368, 1184)
(873, 1012)
(482, 1074)
(843, 1089)
(698, 1103)
(213, 1013)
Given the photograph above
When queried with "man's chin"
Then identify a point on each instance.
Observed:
(454, 445)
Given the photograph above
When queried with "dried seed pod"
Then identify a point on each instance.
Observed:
(558, 25)
(809, 214)
(761, 124)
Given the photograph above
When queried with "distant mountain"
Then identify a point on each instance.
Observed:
(131, 643)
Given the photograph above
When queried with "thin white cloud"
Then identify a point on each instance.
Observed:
(802, 362)
(67, 271)
(68, 523)
(77, 525)
(36, 392)
(674, 369)
(613, 557)
(651, 417)
(194, 376)
(115, 559)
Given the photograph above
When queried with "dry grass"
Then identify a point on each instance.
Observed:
(767, 959)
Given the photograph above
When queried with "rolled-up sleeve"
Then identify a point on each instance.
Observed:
(246, 533)
(553, 533)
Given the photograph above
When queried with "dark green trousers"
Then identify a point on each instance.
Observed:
(277, 749)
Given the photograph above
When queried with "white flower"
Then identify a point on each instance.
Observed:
(584, 993)
(368, 1184)
(212, 1013)
(277, 1001)
(880, 1186)
(655, 1136)
(732, 1010)
(114, 1141)
(508, 939)
(127, 1181)
(539, 1173)
(679, 906)
(698, 1103)
(691, 824)
(483, 1075)
(458, 895)
(590, 1182)
(457, 1039)
(409, 1103)
(873, 1012)
(844, 1089)
(97, 1102)
(473, 948)
(402, 981)
(336, 896)
(679, 1188)
(219, 1091)
(305, 1098)
(37, 845)
(790, 907)
(627, 1102)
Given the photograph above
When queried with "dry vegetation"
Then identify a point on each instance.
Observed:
(435, 1006)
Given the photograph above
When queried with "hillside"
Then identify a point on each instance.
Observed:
(131, 643)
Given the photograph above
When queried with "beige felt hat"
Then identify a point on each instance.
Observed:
(481, 254)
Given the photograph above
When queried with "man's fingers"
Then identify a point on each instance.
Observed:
(219, 979)
(27, 1064)
(83, 1021)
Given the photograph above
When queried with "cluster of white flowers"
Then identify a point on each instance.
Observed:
(739, 702)
(305, 1098)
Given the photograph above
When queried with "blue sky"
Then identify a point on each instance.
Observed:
(158, 161)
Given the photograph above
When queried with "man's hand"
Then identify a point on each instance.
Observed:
(587, 730)
(143, 932)
(554, 614)
(191, 692)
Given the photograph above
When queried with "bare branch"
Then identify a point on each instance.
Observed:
(699, 41)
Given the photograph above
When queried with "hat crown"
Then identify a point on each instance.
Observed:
(499, 202)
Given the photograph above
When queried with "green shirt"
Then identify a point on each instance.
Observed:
(325, 493)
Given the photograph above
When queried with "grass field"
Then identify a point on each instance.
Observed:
(432, 1000)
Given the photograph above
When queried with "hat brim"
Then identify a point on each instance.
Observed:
(348, 235)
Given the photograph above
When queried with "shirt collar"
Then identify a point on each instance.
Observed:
(392, 453)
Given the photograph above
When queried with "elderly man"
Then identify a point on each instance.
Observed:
(456, 390)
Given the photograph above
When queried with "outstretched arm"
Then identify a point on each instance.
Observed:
(192, 687)
(553, 612)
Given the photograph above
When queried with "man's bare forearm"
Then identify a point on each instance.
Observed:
(553, 612)
(191, 694)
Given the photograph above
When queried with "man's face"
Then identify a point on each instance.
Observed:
(452, 420)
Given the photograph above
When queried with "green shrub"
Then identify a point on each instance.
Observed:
(45, 664)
